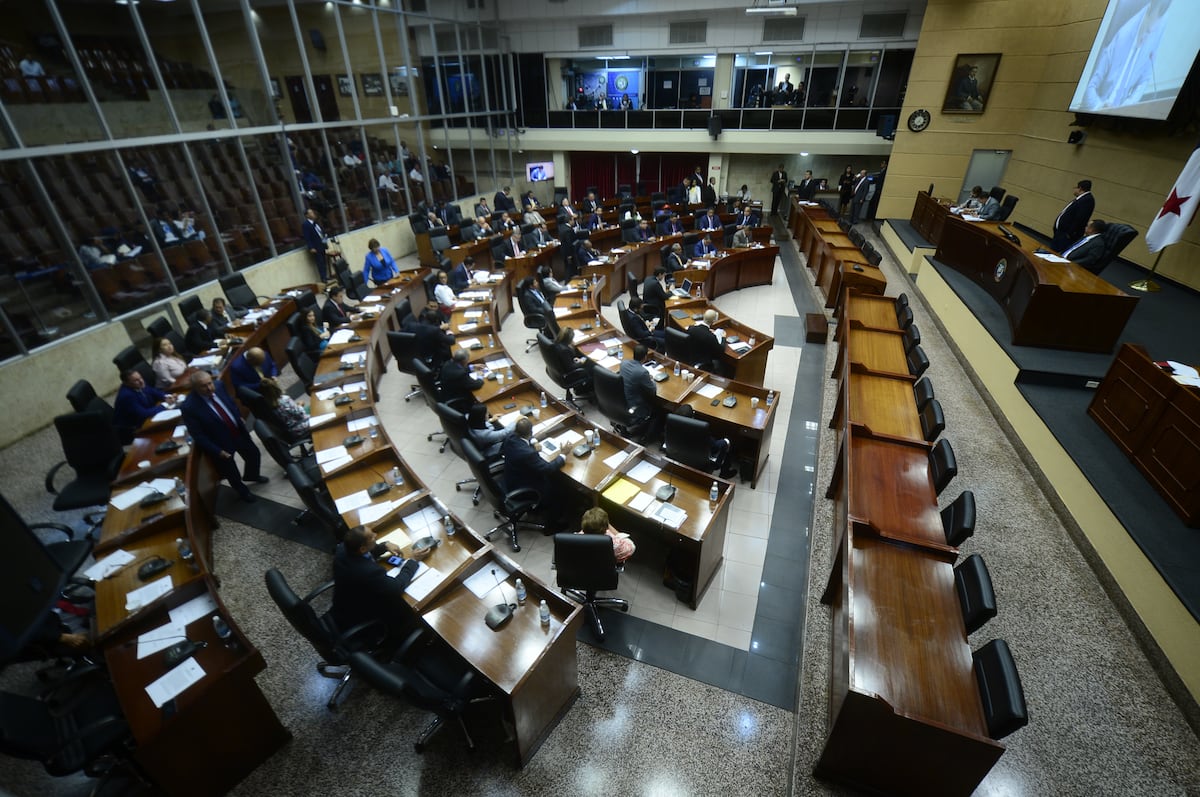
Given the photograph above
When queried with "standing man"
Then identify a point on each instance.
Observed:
(808, 187)
(708, 194)
(862, 189)
(216, 425)
(1071, 221)
(314, 238)
(779, 180)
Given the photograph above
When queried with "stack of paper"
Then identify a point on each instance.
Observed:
(341, 336)
(137, 598)
(108, 565)
(644, 471)
(131, 496)
(352, 357)
(359, 424)
(166, 415)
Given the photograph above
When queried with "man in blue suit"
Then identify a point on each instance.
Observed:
(460, 277)
(314, 239)
(135, 403)
(216, 427)
(705, 248)
(251, 367)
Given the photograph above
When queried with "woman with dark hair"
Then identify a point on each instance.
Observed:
(313, 336)
(167, 365)
(291, 414)
(570, 357)
(846, 189)
(379, 265)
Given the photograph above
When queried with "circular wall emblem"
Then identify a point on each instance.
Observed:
(622, 82)
(1001, 267)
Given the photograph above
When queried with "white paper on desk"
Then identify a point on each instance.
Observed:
(483, 582)
(1050, 257)
(597, 354)
(473, 314)
(644, 471)
(616, 460)
(165, 415)
(352, 357)
(1193, 381)
(559, 312)
(640, 501)
(421, 568)
(467, 343)
(494, 277)
(354, 387)
(329, 454)
(467, 297)
(501, 362)
(137, 598)
(611, 363)
(331, 392)
(108, 565)
(320, 420)
(420, 588)
(509, 418)
(372, 299)
(372, 512)
(546, 425)
(426, 520)
(468, 327)
(340, 337)
(569, 438)
(1179, 369)
(710, 391)
(351, 502)
(334, 464)
(969, 217)
(462, 302)
(670, 515)
(207, 361)
(358, 424)
(175, 682)
(187, 613)
(131, 496)
(162, 637)
(741, 347)
(611, 343)
(180, 431)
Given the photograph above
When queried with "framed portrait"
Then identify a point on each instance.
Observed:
(276, 94)
(399, 85)
(372, 84)
(971, 82)
(345, 85)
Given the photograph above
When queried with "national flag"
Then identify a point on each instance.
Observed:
(1179, 209)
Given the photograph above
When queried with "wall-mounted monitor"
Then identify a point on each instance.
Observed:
(537, 172)
(1141, 57)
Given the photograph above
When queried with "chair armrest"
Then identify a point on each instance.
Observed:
(347, 639)
(55, 526)
(50, 478)
(522, 494)
(86, 731)
(414, 637)
(328, 585)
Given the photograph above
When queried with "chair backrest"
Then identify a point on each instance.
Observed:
(405, 349)
(550, 359)
(958, 518)
(679, 346)
(610, 395)
(1000, 689)
(997, 193)
(316, 499)
(81, 395)
(690, 239)
(942, 464)
(912, 336)
(30, 580)
(932, 420)
(904, 316)
(585, 562)
(301, 362)
(237, 292)
(307, 301)
(856, 237)
(160, 327)
(277, 449)
(131, 357)
(975, 592)
(454, 424)
(294, 323)
(189, 306)
(730, 230)
(303, 617)
(440, 241)
(631, 284)
(431, 283)
(427, 379)
(1116, 238)
(923, 391)
(481, 470)
(918, 361)
(686, 440)
(403, 311)
(1006, 207)
(89, 441)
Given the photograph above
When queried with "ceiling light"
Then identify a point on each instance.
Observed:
(785, 11)
(633, 152)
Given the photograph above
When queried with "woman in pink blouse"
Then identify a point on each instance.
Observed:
(595, 521)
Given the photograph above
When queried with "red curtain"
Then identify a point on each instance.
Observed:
(606, 170)
(592, 169)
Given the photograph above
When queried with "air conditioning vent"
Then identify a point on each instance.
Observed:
(595, 36)
(691, 32)
(783, 29)
(882, 26)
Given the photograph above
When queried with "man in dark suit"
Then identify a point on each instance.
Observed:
(709, 221)
(434, 340)
(641, 330)
(458, 386)
(640, 393)
(590, 204)
(675, 258)
(808, 187)
(706, 346)
(135, 403)
(482, 209)
(362, 590)
(503, 200)
(251, 367)
(1073, 219)
(336, 312)
(779, 180)
(747, 218)
(460, 276)
(314, 239)
(525, 467)
(536, 238)
(705, 248)
(653, 292)
(644, 233)
(708, 193)
(1089, 251)
(672, 226)
(201, 334)
(216, 426)
(862, 191)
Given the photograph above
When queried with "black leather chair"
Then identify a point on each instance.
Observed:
(912, 336)
(431, 282)
(933, 421)
(1006, 207)
(918, 361)
(923, 391)
(632, 285)
(431, 391)
(403, 312)
(686, 440)
(942, 464)
(238, 293)
(873, 255)
(430, 677)
(83, 398)
(1000, 689)
(92, 450)
(355, 284)
(679, 346)
(510, 506)
(285, 454)
(904, 316)
(317, 501)
(254, 401)
(958, 518)
(189, 306)
(533, 319)
(584, 565)
(454, 425)
(690, 239)
(161, 328)
(130, 358)
(1116, 238)
(302, 362)
(975, 593)
(844, 223)
(629, 231)
(332, 644)
(576, 380)
(439, 241)
(405, 349)
(610, 398)
(728, 231)
(856, 237)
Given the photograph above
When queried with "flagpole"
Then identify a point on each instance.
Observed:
(1147, 284)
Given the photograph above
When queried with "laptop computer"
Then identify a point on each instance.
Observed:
(683, 291)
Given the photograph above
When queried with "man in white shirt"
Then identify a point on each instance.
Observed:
(388, 184)
(30, 67)
(444, 294)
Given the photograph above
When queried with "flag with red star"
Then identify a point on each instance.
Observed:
(1179, 209)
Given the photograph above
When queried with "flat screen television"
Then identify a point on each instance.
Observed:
(537, 172)
(1139, 60)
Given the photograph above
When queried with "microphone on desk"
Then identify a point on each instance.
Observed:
(667, 491)
(501, 613)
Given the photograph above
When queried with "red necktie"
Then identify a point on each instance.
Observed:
(224, 416)
(516, 249)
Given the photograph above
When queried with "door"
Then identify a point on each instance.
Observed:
(301, 111)
(326, 99)
(986, 169)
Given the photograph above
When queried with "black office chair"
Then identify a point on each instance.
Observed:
(439, 241)
(975, 593)
(430, 281)
(679, 347)
(188, 307)
(686, 440)
(1000, 689)
(302, 362)
(285, 454)
(510, 506)
(584, 565)
(403, 312)
(912, 336)
(332, 644)
(355, 284)
(533, 319)
(923, 391)
(918, 361)
(254, 401)
(610, 398)
(405, 349)
(92, 450)
(904, 316)
(997, 193)
(431, 391)
(690, 239)
(429, 677)
(658, 196)
(238, 293)
(130, 358)
(75, 725)
(933, 421)
(728, 231)
(874, 257)
(317, 502)
(958, 519)
(857, 238)
(295, 323)
(942, 464)
(83, 398)
(576, 380)
(161, 328)
(629, 234)
(454, 425)
(632, 284)
(1116, 238)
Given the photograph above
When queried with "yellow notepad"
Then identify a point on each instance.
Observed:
(621, 491)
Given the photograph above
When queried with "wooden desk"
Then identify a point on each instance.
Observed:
(905, 716)
(166, 464)
(749, 366)
(1156, 422)
(883, 404)
(1055, 305)
(872, 349)
(929, 216)
(868, 311)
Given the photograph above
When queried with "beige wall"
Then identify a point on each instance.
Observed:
(1038, 71)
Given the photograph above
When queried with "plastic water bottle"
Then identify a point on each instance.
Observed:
(223, 631)
(491, 341)
(714, 492)
(751, 341)
(620, 352)
(544, 613)
(185, 550)
(509, 376)
(770, 398)
(521, 592)
(676, 369)
(397, 477)
(698, 291)
(448, 522)
(597, 320)
(362, 394)
(486, 320)
(181, 489)
(543, 399)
